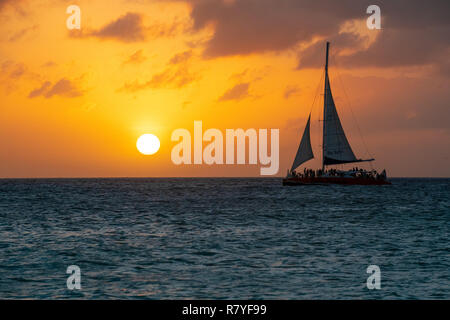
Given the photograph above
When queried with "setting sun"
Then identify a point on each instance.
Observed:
(148, 144)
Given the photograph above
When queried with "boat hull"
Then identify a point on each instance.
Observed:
(333, 180)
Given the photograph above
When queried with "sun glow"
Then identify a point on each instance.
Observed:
(148, 144)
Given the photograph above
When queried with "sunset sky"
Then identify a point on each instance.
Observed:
(73, 103)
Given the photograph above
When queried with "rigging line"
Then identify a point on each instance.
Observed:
(315, 96)
(351, 109)
(317, 92)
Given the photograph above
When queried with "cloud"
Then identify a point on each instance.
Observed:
(49, 64)
(63, 87)
(239, 75)
(412, 33)
(168, 78)
(383, 105)
(181, 57)
(41, 90)
(20, 7)
(126, 28)
(395, 47)
(291, 91)
(314, 55)
(251, 26)
(136, 58)
(4, 3)
(130, 28)
(21, 33)
(237, 92)
(175, 75)
(392, 48)
(13, 70)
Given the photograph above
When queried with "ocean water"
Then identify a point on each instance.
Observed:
(223, 239)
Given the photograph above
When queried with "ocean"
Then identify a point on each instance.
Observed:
(223, 238)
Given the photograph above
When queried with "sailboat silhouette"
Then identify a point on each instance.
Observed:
(335, 150)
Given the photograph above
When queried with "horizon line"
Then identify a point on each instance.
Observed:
(189, 177)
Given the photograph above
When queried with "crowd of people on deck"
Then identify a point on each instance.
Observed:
(354, 172)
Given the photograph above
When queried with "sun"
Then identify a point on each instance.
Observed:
(148, 144)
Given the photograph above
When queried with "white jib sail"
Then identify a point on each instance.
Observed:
(304, 152)
(336, 148)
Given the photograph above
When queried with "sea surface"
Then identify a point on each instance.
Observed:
(223, 239)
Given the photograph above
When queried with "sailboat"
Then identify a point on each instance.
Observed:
(336, 150)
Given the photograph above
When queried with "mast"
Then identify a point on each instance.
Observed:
(324, 107)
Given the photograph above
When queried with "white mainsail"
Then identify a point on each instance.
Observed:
(336, 148)
(304, 152)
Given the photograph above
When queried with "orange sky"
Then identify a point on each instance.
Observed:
(72, 104)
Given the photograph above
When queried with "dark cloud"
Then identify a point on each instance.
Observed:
(237, 92)
(397, 47)
(407, 103)
(392, 48)
(249, 26)
(130, 28)
(63, 87)
(413, 32)
(127, 28)
(314, 55)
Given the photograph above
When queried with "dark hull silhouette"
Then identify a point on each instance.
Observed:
(296, 181)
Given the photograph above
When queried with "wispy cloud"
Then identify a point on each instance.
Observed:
(49, 64)
(63, 87)
(41, 90)
(136, 58)
(13, 70)
(291, 91)
(237, 92)
(168, 78)
(181, 57)
(17, 5)
(128, 28)
(22, 33)
(175, 75)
